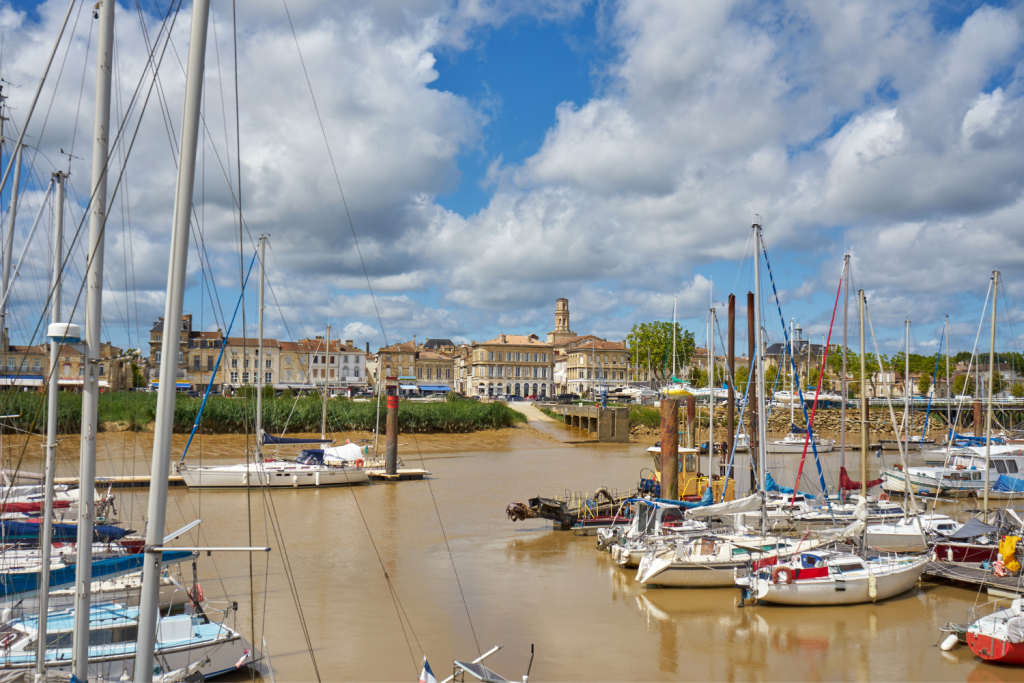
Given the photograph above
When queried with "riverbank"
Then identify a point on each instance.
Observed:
(135, 412)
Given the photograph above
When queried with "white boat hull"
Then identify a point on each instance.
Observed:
(891, 538)
(830, 591)
(793, 447)
(225, 478)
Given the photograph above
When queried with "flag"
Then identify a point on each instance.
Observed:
(245, 656)
(427, 676)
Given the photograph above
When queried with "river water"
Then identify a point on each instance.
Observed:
(386, 573)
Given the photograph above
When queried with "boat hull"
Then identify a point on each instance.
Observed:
(851, 591)
(995, 649)
(215, 478)
(797, 448)
(966, 552)
(671, 575)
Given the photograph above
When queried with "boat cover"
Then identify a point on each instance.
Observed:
(972, 529)
(772, 485)
(63, 533)
(311, 456)
(346, 452)
(1015, 629)
(732, 507)
(269, 440)
(793, 429)
(1007, 483)
(480, 672)
(707, 499)
(17, 584)
(850, 485)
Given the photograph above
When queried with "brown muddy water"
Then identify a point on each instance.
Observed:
(522, 583)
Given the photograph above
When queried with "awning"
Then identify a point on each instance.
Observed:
(408, 387)
(179, 385)
(435, 387)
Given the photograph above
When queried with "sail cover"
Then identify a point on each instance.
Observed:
(1010, 484)
(850, 485)
(772, 485)
(972, 529)
(732, 507)
(706, 500)
(269, 440)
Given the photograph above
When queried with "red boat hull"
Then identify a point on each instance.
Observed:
(965, 552)
(995, 650)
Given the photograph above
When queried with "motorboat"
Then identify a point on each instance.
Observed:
(910, 534)
(795, 443)
(831, 577)
(653, 522)
(976, 541)
(964, 473)
(911, 443)
(998, 636)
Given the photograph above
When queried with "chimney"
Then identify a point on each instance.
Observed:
(348, 342)
(414, 341)
(367, 348)
(504, 340)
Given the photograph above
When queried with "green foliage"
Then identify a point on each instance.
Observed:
(646, 416)
(453, 397)
(742, 375)
(924, 384)
(653, 342)
(698, 378)
(1017, 391)
(231, 415)
(871, 362)
(138, 379)
(287, 395)
(962, 384)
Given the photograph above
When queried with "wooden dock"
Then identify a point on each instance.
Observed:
(403, 474)
(125, 481)
(972, 574)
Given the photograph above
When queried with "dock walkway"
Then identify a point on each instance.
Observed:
(972, 574)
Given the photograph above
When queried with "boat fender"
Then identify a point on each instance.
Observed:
(998, 568)
(359, 462)
(872, 587)
(949, 554)
(948, 643)
(782, 574)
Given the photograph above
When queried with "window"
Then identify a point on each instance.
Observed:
(245, 378)
(159, 338)
(180, 359)
(490, 355)
(399, 370)
(37, 364)
(269, 363)
(209, 363)
(535, 357)
(447, 373)
(287, 360)
(195, 362)
(588, 374)
(67, 370)
(332, 360)
(234, 362)
(429, 372)
(388, 357)
(81, 371)
(387, 371)
(419, 373)
(246, 362)
(517, 371)
(102, 370)
(355, 372)
(287, 375)
(302, 376)
(332, 373)
(490, 371)
(1011, 466)
(544, 373)
(234, 378)
(501, 371)
(508, 357)
(158, 356)
(518, 357)
(1000, 466)
(268, 379)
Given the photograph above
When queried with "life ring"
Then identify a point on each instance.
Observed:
(998, 568)
(8, 641)
(359, 462)
(884, 496)
(782, 575)
(196, 593)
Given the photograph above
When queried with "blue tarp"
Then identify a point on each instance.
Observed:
(973, 440)
(1009, 484)
(62, 533)
(269, 440)
(18, 583)
(772, 485)
(708, 499)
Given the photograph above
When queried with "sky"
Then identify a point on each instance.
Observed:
(490, 156)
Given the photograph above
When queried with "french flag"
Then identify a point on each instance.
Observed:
(427, 676)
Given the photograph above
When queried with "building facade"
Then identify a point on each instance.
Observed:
(512, 364)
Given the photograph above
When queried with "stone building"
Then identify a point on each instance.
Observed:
(592, 362)
(419, 369)
(512, 364)
(561, 330)
(28, 367)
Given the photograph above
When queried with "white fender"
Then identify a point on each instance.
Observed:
(948, 643)
(872, 587)
(295, 481)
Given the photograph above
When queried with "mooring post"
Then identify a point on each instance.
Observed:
(391, 444)
(977, 417)
(691, 421)
(730, 410)
(670, 448)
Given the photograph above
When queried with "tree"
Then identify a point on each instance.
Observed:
(924, 384)
(138, 379)
(653, 342)
(698, 377)
(1017, 391)
(962, 384)
(742, 375)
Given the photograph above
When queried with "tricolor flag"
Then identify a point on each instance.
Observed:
(427, 676)
(240, 662)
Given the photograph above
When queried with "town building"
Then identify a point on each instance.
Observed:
(512, 364)
(28, 366)
(418, 369)
(591, 363)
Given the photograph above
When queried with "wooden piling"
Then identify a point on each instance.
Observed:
(391, 449)
(977, 417)
(730, 410)
(691, 421)
(670, 448)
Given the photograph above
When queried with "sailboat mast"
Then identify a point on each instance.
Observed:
(906, 386)
(93, 320)
(259, 352)
(863, 401)
(45, 547)
(711, 396)
(991, 384)
(12, 213)
(846, 393)
(759, 365)
(323, 417)
(949, 394)
(792, 386)
(673, 337)
(149, 607)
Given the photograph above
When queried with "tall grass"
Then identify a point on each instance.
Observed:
(231, 415)
(646, 416)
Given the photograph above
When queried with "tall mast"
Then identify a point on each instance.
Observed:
(759, 365)
(792, 378)
(711, 396)
(673, 337)
(863, 401)
(259, 352)
(906, 386)
(150, 597)
(991, 384)
(45, 547)
(948, 393)
(93, 320)
(323, 417)
(846, 393)
(12, 213)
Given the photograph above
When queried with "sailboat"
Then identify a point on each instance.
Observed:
(837, 576)
(309, 469)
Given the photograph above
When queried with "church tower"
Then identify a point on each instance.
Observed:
(561, 330)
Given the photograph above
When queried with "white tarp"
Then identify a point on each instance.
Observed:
(348, 452)
(732, 507)
(1015, 629)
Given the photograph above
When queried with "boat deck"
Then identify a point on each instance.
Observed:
(970, 573)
